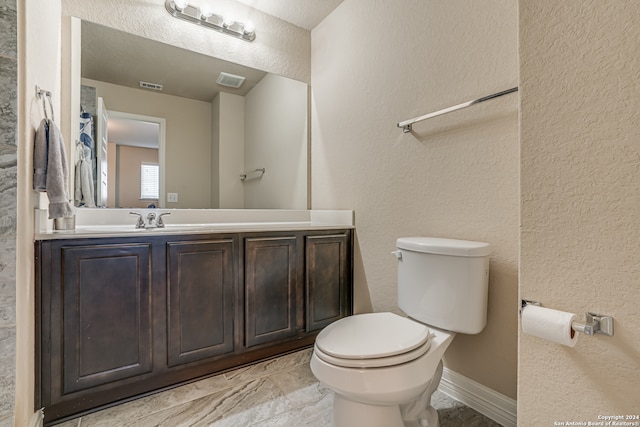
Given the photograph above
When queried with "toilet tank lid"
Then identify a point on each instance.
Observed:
(442, 246)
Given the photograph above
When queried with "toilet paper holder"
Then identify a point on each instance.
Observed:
(594, 324)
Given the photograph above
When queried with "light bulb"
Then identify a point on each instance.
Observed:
(206, 10)
(228, 21)
(180, 4)
(249, 28)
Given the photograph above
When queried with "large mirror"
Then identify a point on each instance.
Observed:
(166, 128)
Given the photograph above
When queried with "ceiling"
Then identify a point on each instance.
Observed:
(134, 133)
(113, 56)
(302, 13)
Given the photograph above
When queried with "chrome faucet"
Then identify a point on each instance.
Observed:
(151, 221)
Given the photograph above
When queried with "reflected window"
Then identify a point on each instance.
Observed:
(149, 181)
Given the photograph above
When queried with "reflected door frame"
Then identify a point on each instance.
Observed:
(162, 123)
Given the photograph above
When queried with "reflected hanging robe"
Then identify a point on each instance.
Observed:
(84, 179)
(88, 140)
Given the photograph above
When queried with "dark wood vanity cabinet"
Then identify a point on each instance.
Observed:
(271, 288)
(105, 295)
(118, 318)
(328, 278)
(200, 300)
(96, 325)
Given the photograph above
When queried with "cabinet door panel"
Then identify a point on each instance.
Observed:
(326, 275)
(200, 300)
(106, 314)
(270, 289)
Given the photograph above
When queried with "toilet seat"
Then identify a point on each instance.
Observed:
(372, 340)
(380, 362)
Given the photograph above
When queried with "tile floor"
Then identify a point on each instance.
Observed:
(275, 393)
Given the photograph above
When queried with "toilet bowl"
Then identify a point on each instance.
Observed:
(382, 367)
(395, 369)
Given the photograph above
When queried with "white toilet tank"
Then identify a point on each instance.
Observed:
(444, 282)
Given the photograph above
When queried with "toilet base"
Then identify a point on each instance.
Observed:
(417, 413)
(347, 413)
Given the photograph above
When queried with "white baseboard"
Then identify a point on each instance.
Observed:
(488, 402)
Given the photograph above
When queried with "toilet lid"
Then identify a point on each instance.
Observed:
(376, 362)
(371, 336)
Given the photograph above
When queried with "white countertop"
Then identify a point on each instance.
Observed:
(91, 223)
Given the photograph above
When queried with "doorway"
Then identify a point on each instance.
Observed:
(136, 157)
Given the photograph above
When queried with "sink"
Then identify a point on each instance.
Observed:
(130, 228)
(175, 228)
(107, 229)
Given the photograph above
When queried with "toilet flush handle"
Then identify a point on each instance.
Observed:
(397, 253)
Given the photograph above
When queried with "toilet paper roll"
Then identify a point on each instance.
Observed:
(549, 324)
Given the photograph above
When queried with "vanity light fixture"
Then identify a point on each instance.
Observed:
(204, 16)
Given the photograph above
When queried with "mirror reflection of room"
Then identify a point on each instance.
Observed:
(212, 134)
(133, 162)
(132, 169)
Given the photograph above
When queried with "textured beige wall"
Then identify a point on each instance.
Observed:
(580, 204)
(374, 64)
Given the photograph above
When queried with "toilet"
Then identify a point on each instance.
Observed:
(382, 367)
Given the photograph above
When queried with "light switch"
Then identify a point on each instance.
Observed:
(172, 197)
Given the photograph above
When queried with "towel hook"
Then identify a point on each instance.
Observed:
(41, 94)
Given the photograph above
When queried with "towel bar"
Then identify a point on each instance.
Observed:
(406, 125)
(248, 176)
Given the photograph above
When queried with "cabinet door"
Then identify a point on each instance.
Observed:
(327, 279)
(200, 300)
(270, 289)
(106, 314)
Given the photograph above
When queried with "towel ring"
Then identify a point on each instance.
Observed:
(41, 93)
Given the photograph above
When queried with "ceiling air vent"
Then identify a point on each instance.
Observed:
(147, 85)
(230, 80)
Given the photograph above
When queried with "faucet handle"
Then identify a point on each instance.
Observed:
(160, 223)
(140, 223)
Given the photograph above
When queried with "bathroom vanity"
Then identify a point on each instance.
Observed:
(123, 313)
